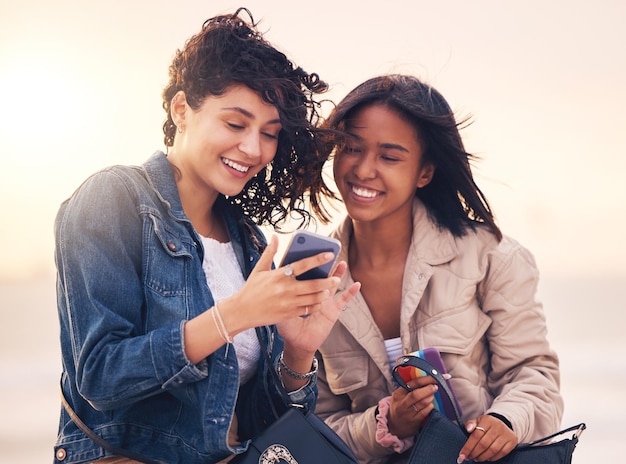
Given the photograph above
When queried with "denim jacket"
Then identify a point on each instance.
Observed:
(129, 275)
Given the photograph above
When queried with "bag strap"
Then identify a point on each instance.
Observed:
(432, 371)
(579, 429)
(101, 441)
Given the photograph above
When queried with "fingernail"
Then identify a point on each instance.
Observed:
(447, 376)
(328, 256)
(460, 459)
(470, 427)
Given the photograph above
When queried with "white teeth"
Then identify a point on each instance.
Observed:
(361, 192)
(234, 165)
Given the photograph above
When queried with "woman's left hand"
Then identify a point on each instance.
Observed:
(305, 334)
(490, 439)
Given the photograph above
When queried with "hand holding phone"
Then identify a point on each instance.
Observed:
(304, 244)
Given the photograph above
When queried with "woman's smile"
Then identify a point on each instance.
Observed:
(364, 193)
(240, 170)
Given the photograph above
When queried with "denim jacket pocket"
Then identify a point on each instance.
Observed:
(166, 257)
(167, 273)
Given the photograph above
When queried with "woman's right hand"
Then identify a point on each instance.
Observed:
(490, 439)
(269, 296)
(409, 408)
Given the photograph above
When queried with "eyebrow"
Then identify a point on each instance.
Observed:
(393, 146)
(248, 114)
(388, 146)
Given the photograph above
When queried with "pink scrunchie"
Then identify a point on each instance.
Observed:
(383, 436)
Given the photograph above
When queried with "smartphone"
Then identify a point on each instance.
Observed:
(442, 403)
(304, 244)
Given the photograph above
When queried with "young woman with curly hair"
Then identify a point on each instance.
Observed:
(167, 295)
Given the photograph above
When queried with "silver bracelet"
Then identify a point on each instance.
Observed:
(293, 374)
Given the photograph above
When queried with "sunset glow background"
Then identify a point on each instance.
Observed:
(544, 83)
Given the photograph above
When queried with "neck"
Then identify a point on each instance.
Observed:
(372, 244)
(198, 203)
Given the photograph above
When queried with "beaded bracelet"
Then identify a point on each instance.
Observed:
(296, 375)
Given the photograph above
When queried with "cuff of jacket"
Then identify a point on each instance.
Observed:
(306, 395)
(502, 418)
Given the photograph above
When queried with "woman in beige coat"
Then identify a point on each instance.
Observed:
(435, 271)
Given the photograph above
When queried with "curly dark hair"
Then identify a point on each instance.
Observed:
(452, 198)
(231, 51)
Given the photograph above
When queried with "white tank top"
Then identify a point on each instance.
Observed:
(394, 349)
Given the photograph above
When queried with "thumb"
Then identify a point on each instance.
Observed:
(265, 262)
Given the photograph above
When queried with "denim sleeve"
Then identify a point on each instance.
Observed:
(111, 347)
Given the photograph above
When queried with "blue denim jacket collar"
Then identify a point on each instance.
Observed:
(160, 174)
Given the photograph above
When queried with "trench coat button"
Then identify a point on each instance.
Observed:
(171, 246)
(61, 454)
(420, 276)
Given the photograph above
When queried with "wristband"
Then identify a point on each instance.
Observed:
(383, 436)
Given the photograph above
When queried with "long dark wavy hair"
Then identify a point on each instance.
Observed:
(230, 50)
(452, 198)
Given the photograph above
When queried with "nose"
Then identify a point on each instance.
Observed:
(251, 144)
(365, 167)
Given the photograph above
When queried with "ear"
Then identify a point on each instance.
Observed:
(178, 109)
(425, 175)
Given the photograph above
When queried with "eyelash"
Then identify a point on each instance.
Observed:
(266, 134)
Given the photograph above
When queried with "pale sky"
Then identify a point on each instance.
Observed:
(543, 80)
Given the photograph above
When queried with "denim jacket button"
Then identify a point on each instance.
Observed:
(171, 246)
(61, 454)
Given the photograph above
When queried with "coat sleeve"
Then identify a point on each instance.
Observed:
(524, 376)
(101, 301)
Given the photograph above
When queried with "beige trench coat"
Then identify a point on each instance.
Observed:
(472, 298)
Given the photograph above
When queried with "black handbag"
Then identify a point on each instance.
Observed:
(295, 437)
(441, 440)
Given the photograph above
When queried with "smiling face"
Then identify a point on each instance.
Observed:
(378, 172)
(225, 143)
